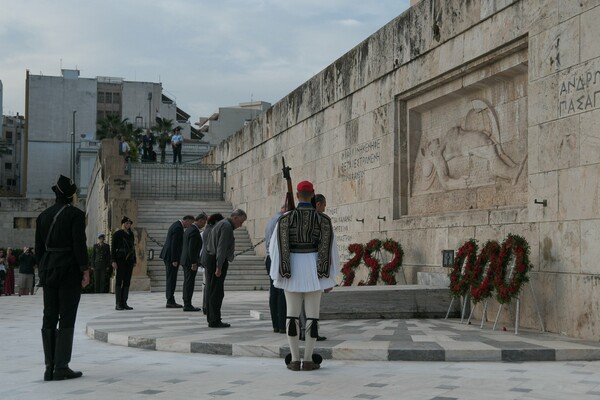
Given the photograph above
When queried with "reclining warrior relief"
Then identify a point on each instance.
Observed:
(459, 141)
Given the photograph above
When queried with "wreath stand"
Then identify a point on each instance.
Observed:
(463, 307)
(464, 300)
(483, 315)
(518, 309)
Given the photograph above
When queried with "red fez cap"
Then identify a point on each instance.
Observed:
(305, 186)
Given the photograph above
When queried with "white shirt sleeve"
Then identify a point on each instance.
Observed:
(274, 254)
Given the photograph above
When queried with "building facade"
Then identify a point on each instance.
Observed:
(228, 120)
(62, 113)
(11, 154)
(457, 120)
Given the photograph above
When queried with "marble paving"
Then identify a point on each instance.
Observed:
(123, 372)
(152, 326)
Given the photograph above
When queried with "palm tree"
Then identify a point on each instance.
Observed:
(111, 126)
(162, 128)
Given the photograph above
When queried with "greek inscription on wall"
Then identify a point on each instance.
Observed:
(579, 90)
(341, 226)
(354, 161)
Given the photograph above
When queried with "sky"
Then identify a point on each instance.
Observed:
(207, 54)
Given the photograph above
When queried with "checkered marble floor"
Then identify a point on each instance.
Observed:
(154, 327)
(124, 372)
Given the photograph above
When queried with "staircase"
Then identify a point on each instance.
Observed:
(246, 272)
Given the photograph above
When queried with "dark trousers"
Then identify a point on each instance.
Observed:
(171, 281)
(216, 289)
(100, 279)
(176, 154)
(61, 301)
(60, 308)
(276, 301)
(189, 282)
(123, 281)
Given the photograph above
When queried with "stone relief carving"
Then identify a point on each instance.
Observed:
(466, 140)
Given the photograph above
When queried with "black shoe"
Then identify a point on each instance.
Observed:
(119, 307)
(49, 373)
(126, 307)
(66, 373)
(219, 325)
(321, 338)
(191, 308)
(174, 305)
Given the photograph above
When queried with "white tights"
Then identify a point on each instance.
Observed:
(312, 304)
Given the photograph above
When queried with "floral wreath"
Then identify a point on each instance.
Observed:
(364, 253)
(460, 279)
(348, 270)
(517, 247)
(371, 262)
(482, 279)
(388, 272)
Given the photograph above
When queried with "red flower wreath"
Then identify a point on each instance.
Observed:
(388, 272)
(460, 278)
(371, 262)
(348, 270)
(517, 247)
(483, 285)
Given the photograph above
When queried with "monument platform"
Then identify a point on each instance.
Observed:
(388, 302)
(152, 326)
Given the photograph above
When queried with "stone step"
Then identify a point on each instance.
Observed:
(247, 272)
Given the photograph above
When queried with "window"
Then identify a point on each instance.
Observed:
(100, 97)
(8, 166)
(108, 98)
(23, 223)
(116, 98)
(9, 135)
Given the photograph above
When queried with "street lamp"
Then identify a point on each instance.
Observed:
(149, 108)
(73, 148)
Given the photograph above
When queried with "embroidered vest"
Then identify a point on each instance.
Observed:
(304, 230)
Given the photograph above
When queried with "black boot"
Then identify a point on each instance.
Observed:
(118, 299)
(124, 298)
(49, 344)
(62, 355)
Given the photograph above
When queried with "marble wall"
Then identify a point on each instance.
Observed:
(448, 124)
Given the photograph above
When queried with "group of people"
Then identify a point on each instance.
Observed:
(26, 267)
(209, 250)
(147, 146)
(302, 262)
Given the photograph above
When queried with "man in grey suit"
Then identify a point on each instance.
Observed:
(190, 259)
(171, 256)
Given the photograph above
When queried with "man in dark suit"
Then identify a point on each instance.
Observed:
(61, 251)
(171, 255)
(190, 259)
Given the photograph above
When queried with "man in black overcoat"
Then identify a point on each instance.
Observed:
(190, 259)
(61, 252)
(171, 256)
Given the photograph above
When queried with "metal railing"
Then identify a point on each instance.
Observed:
(177, 181)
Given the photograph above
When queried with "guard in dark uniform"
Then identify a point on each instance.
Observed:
(123, 261)
(61, 251)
